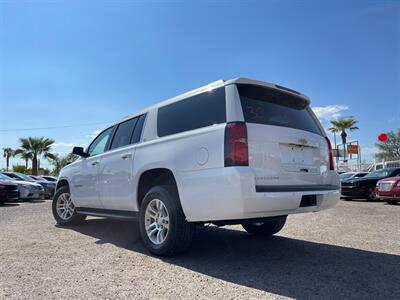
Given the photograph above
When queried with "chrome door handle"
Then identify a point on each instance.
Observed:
(95, 163)
(126, 156)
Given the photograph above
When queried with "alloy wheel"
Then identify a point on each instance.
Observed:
(156, 221)
(65, 207)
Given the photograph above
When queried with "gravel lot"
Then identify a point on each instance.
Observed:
(351, 251)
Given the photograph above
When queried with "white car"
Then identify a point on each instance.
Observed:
(232, 152)
(27, 190)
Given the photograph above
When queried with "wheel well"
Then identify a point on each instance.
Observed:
(151, 178)
(61, 183)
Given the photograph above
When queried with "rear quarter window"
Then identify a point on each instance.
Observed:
(268, 106)
(195, 112)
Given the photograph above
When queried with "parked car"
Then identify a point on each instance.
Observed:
(233, 152)
(48, 186)
(49, 178)
(27, 190)
(365, 187)
(388, 189)
(352, 175)
(8, 191)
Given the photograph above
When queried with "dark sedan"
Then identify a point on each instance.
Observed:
(365, 187)
(8, 191)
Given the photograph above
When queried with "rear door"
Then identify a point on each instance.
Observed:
(286, 144)
(116, 167)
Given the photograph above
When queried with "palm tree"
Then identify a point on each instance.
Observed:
(60, 162)
(334, 130)
(8, 153)
(37, 147)
(25, 155)
(341, 125)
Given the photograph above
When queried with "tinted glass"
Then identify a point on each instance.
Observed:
(359, 175)
(195, 112)
(124, 133)
(138, 130)
(11, 175)
(99, 145)
(395, 172)
(379, 173)
(24, 177)
(267, 106)
(346, 175)
(5, 177)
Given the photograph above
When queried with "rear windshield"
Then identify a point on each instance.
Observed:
(268, 106)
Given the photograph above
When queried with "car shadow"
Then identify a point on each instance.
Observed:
(9, 204)
(285, 266)
(360, 200)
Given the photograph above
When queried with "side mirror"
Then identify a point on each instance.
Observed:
(79, 151)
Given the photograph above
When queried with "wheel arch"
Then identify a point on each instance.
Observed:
(154, 177)
(62, 182)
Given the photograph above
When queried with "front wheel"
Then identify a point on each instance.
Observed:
(163, 226)
(371, 194)
(265, 228)
(64, 211)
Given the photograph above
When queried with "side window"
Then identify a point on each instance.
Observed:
(195, 112)
(124, 133)
(396, 172)
(100, 143)
(138, 130)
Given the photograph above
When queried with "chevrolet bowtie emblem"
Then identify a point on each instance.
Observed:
(303, 141)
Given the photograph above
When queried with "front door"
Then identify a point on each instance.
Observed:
(85, 182)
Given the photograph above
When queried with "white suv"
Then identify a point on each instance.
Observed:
(232, 152)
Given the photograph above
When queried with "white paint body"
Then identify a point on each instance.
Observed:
(208, 191)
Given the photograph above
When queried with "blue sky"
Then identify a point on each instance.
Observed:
(78, 62)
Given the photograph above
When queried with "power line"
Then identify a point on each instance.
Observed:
(52, 127)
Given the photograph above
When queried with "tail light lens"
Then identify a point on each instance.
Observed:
(330, 154)
(236, 147)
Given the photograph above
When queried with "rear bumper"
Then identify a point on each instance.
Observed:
(230, 194)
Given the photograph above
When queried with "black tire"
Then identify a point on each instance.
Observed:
(2, 202)
(347, 198)
(180, 232)
(391, 202)
(265, 228)
(371, 195)
(75, 219)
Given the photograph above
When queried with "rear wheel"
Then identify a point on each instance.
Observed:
(265, 228)
(64, 211)
(391, 202)
(163, 226)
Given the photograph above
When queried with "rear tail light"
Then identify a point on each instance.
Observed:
(236, 147)
(330, 154)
